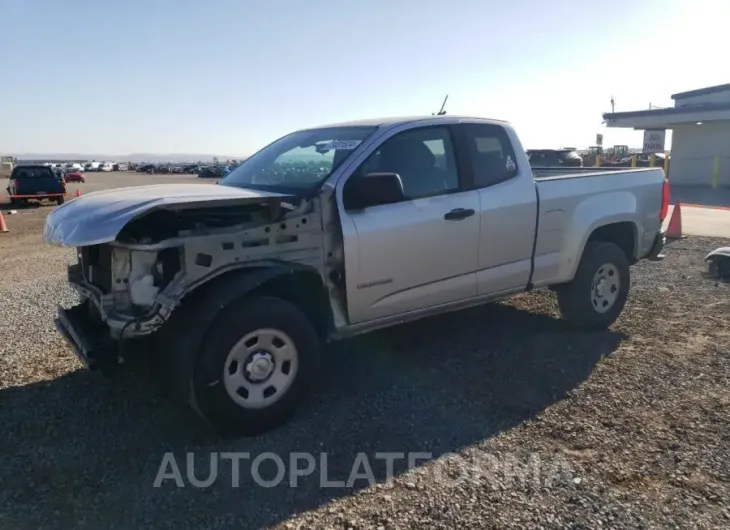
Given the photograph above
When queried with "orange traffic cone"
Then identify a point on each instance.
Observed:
(78, 193)
(674, 230)
(3, 226)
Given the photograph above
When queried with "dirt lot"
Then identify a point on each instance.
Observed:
(635, 419)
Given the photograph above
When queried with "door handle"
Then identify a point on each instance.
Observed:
(458, 214)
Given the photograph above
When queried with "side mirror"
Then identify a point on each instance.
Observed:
(373, 189)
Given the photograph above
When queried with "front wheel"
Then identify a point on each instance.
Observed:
(598, 292)
(259, 356)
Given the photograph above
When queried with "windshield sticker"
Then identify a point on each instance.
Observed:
(343, 144)
(510, 164)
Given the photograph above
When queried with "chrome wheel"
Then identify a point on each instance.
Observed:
(260, 368)
(605, 287)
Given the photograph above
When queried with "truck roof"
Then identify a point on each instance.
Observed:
(392, 121)
(31, 166)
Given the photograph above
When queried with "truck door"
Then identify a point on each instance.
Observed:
(418, 253)
(507, 205)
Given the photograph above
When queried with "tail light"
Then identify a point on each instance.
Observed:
(665, 200)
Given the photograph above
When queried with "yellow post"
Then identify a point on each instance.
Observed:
(633, 160)
(598, 161)
(666, 165)
(716, 173)
(652, 160)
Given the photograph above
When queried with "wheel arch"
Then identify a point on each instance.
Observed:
(623, 234)
(182, 336)
(621, 231)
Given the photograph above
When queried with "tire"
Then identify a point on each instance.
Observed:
(210, 386)
(598, 292)
(60, 200)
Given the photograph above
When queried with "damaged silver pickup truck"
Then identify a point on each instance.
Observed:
(337, 230)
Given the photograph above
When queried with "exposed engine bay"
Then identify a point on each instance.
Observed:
(137, 280)
(159, 225)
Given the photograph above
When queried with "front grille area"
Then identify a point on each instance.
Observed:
(96, 264)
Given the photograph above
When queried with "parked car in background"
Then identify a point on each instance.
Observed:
(145, 168)
(74, 176)
(7, 163)
(59, 172)
(35, 182)
(121, 166)
(106, 166)
(213, 172)
(567, 157)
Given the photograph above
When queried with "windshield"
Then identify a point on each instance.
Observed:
(298, 162)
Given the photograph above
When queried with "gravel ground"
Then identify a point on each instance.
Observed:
(545, 426)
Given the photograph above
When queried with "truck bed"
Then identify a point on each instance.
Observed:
(572, 202)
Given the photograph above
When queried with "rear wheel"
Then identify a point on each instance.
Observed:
(60, 200)
(598, 292)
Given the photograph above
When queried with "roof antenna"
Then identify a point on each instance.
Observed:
(442, 111)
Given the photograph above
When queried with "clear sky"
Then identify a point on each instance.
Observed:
(228, 76)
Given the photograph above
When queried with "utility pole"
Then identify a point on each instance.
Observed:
(613, 105)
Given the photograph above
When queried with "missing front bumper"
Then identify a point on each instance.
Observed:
(89, 341)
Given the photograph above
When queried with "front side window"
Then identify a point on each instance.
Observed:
(300, 161)
(423, 158)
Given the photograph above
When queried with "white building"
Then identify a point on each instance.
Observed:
(700, 124)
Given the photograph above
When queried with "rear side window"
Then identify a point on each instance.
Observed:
(491, 154)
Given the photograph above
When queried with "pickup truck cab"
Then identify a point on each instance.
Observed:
(338, 230)
(35, 182)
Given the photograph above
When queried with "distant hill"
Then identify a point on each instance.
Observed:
(133, 157)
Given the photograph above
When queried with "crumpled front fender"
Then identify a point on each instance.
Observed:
(98, 217)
